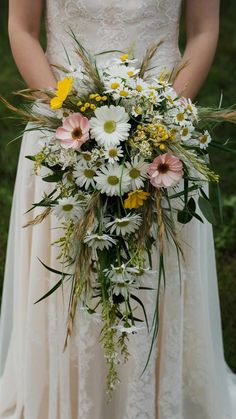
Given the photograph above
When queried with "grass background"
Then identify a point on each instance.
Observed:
(221, 79)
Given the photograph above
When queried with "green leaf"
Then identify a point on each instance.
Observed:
(53, 270)
(185, 215)
(53, 289)
(178, 194)
(142, 305)
(206, 209)
(55, 177)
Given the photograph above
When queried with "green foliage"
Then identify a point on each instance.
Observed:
(221, 80)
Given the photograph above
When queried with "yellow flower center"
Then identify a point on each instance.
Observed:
(124, 57)
(130, 73)
(185, 131)
(86, 157)
(89, 173)
(124, 93)
(203, 139)
(138, 110)
(139, 88)
(112, 152)
(180, 116)
(134, 173)
(109, 126)
(123, 223)
(115, 85)
(113, 180)
(67, 207)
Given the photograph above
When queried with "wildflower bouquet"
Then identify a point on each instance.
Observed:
(128, 161)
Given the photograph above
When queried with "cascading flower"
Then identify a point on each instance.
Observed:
(74, 132)
(165, 171)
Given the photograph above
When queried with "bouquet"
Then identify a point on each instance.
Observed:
(128, 161)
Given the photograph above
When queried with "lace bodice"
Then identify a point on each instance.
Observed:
(103, 25)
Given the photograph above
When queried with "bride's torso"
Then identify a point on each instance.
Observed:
(107, 24)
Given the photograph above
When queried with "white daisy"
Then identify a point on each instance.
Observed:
(129, 329)
(69, 209)
(125, 225)
(84, 175)
(137, 110)
(204, 140)
(137, 171)
(110, 126)
(186, 132)
(122, 279)
(121, 71)
(178, 116)
(84, 157)
(171, 96)
(68, 179)
(122, 93)
(99, 241)
(138, 85)
(113, 154)
(190, 108)
(113, 84)
(112, 180)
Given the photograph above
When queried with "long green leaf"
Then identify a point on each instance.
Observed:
(53, 289)
(134, 297)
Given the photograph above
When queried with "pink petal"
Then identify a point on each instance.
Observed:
(63, 134)
(67, 144)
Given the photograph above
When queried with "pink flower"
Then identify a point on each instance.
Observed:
(165, 171)
(74, 132)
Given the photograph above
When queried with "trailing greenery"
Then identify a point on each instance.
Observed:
(220, 81)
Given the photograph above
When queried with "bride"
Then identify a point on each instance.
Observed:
(187, 377)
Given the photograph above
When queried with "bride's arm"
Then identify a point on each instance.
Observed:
(202, 27)
(24, 28)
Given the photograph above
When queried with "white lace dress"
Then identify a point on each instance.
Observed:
(187, 377)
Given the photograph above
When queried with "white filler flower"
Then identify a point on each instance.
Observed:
(112, 180)
(110, 126)
(125, 225)
(68, 208)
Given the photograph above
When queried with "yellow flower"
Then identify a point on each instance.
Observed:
(64, 87)
(136, 199)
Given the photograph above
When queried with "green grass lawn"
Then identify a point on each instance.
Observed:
(220, 80)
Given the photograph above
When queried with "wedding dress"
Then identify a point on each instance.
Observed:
(187, 377)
